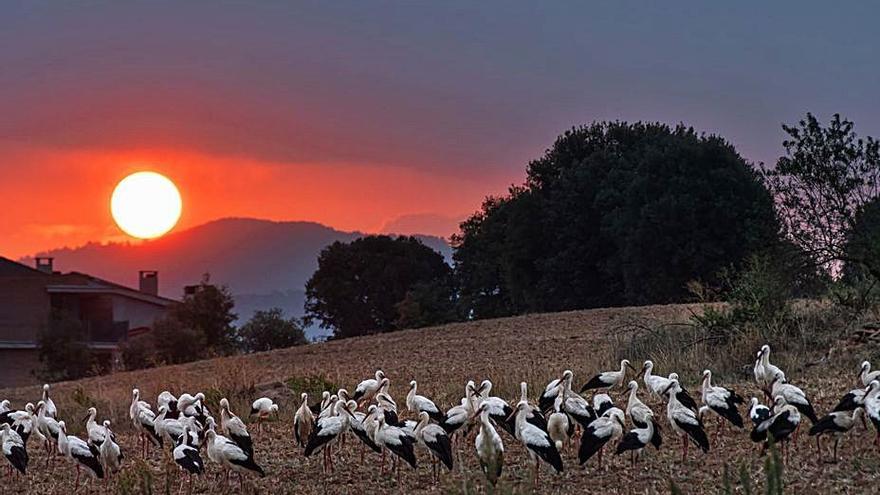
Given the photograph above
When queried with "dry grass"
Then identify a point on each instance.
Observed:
(532, 348)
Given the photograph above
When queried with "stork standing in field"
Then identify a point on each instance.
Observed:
(609, 379)
(397, 441)
(49, 428)
(655, 384)
(111, 454)
(435, 439)
(835, 424)
(416, 403)
(51, 410)
(785, 420)
(94, 431)
(533, 414)
(684, 421)
(635, 441)
(303, 421)
(573, 404)
(721, 401)
(81, 454)
(262, 408)
(793, 396)
(602, 430)
(13, 448)
(866, 375)
(233, 427)
(490, 449)
(230, 456)
(187, 457)
(367, 389)
(872, 408)
(23, 422)
(5, 406)
(758, 412)
(765, 372)
(641, 415)
(536, 441)
(168, 400)
(143, 419)
(559, 426)
(551, 391)
(328, 430)
(499, 410)
(853, 399)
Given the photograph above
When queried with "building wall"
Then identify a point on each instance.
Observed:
(17, 367)
(136, 313)
(24, 307)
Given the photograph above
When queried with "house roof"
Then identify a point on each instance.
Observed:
(79, 283)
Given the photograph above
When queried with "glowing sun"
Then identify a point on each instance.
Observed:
(145, 205)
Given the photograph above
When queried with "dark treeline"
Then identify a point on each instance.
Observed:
(619, 214)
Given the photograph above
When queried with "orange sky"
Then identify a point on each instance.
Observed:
(61, 198)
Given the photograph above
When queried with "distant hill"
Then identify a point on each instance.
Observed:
(264, 263)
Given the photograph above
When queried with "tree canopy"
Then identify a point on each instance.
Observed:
(826, 186)
(614, 214)
(358, 286)
(269, 329)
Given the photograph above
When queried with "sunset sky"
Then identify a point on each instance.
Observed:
(383, 116)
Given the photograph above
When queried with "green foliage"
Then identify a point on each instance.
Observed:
(824, 183)
(613, 214)
(358, 286)
(208, 312)
(62, 349)
(268, 330)
(425, 304)
(313, 385)
(773, 467)
(198, 327)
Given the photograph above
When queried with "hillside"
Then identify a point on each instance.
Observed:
(264, 263)
(533, 348)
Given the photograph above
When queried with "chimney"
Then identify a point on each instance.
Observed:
(149, 282)
(44, 264)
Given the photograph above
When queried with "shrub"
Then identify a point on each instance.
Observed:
(62, 349)
(268, 330)
(139, 352)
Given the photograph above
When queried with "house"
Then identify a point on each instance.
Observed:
(109, 312)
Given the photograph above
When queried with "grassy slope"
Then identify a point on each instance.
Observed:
(534, 348)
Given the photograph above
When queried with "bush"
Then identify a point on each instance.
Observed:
(62, 349)
(139, 352)
(268, 330)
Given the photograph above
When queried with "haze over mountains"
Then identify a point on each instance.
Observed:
(265, 263)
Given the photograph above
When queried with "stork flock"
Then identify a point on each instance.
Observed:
(187, 430)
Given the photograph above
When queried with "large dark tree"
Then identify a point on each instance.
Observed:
(358, 286)
(614, 213)
(268, 330)
(825, 187)
(208, 311)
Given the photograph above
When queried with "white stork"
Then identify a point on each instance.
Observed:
(397, 441)
(785, 420)
(601, 431)
(80, 453)
(765, 372)
(641, 414)
(51, 410)
(416, 403)
(551, 391)
(435, 439)
(234, 428)
(758, 412)
(609, 379)
(490, 449)
(536, 441)
(13, 448)
(187, 457)
(573, 404)
(533, 414)
(866, 375)
(328, 430)
(49, 428)
(684, 421)
(143, 420)
(367, 389)
(636, 440)
(111, 454)
(872, 407)
(722, 401)
(499, 410)
(5, 406)
(835, 424)
(263, 407)
(793, 396)
(303, 421)
(230, 456)
(655, 384)
(559, 426)
(94, 431)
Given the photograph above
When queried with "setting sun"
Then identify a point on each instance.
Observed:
(145, 205)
